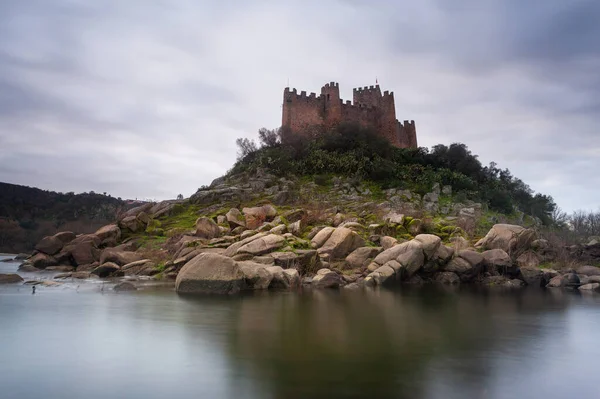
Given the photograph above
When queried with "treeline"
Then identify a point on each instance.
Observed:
(350, 150)
(27, 214)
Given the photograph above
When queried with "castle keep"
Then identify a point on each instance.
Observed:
(369, 108)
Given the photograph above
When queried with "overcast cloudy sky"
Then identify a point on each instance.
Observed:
(145, 99)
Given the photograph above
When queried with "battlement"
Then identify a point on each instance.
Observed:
(368, 108)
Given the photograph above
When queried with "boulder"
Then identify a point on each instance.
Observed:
(465, 271)
(42, 261)
(50, 245)
(138, 209)
(109, 235)
(207, 228)
(233, 248)
(326, 278)
(124, 286)
(430, 244)
(81, 275)
(528, 259)
(82, 250)
(394, 218)
(279, 229)
(210, 273)
(256, 275)
(235, 218)
(132, 223)
(283, 279)
(571, 280)
(28, 268)
(556, 282)
(498, 261)
(532, 275)
(139, 267)
(65, 236)
(387, 242)
(413, 258)
(106, 269)
(341, 242)
(460, 243)
(475, 259)
(508, 237)
(321, 237)
(382, 275)
(439, 259)
(590, 287)
(10, 278)
(121, 258)
(449, 278)
(263, 245)
(361, 257)
(256, 216)
(589, 270)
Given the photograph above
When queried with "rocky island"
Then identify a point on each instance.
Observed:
(345, 211)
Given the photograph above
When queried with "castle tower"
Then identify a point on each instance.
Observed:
(367, 96)
(332, 104)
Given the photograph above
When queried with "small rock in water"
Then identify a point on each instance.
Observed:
(124, 286)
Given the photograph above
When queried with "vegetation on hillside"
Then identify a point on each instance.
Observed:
(27, 214)
(350, 150)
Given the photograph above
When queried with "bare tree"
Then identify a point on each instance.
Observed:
(245, 147)
(269, 138)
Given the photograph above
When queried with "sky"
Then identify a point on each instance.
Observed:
(145, 98)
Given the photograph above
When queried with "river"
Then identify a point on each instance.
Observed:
(80, 341)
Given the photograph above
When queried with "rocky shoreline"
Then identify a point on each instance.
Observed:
(264, 249)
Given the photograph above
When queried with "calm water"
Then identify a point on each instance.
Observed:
(69, 342)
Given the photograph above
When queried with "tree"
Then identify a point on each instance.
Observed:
(245, 147)
(180, 196)
(269, 138)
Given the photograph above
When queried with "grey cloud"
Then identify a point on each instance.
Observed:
(146, 98)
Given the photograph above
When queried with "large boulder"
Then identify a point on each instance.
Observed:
(321, 237)
(382, 275)
(42, 261)
(528, 259)
(326, 278)
(409, 254)
(498, 261)
(121, 258)
(447, 278)
(256, 275)
(387, 242)
(263, 245)
(508, 237)
(109, 235)
(439, 259)
(10, 278)
(341, 242)
(235, 218)
(430, 244)
(532, 275)
(132, 223)
(143, 267)
(589, 270)
(233, 248)
(256, 216)
(49, 245)
(207, 228)
(465, 271)
(361, 257)
(210, 273)
(475, 259)
(82, 250)
(283, 279)
(106, 269)
(65, 236)
(590, 287)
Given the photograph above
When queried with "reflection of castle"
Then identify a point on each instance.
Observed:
(369, 108)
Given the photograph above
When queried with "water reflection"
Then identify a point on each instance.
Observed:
(409, 343)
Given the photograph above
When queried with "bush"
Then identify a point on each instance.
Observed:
(352, 151)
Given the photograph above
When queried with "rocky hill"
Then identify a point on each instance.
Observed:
(27, 214)
(344, 211)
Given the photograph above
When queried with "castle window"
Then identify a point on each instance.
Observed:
(328, 97)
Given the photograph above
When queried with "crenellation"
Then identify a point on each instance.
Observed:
(369, 108)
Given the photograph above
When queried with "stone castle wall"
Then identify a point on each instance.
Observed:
(370, 108)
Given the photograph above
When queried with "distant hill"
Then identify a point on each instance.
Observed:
(27, 214)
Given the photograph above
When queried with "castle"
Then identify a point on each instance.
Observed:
(369, 108)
